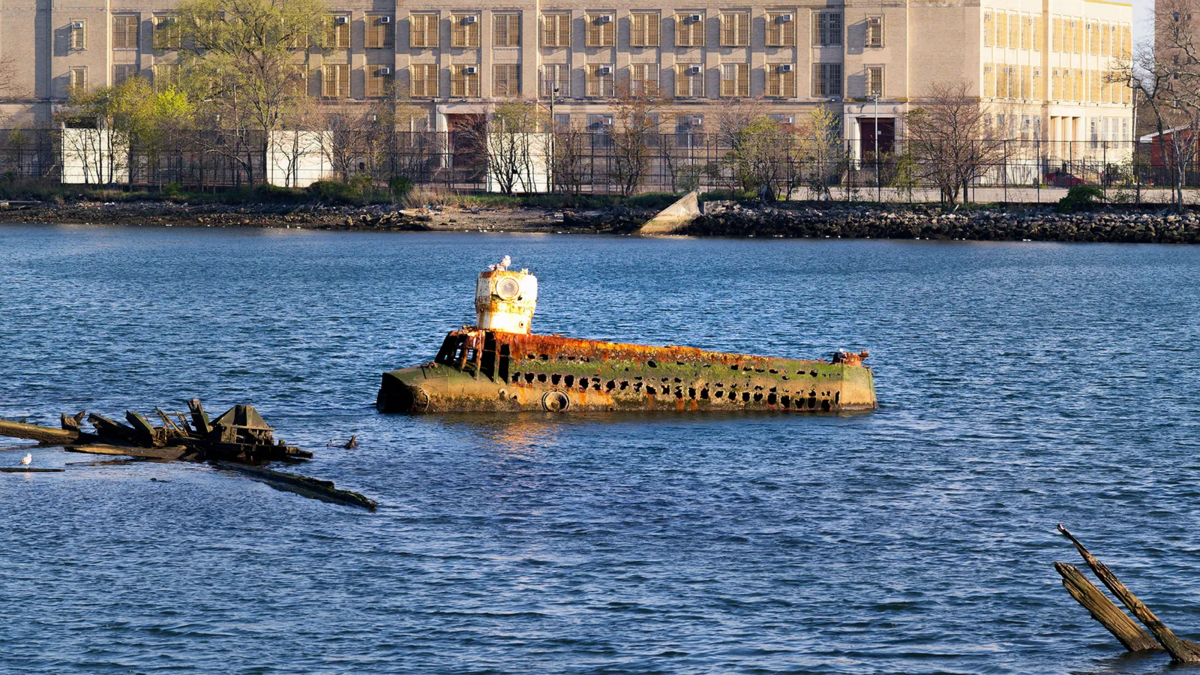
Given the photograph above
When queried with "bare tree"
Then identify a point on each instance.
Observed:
(953, 136)
(636, 118)
(568, 165)
(1165, 75)
(757, 147)
(511, 139)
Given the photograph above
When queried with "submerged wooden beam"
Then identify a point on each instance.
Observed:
(1180, 650)
(1104, 611)
(43, 435)
(323, 490)
(12, 469)
(170, 452)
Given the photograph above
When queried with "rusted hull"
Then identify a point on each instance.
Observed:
(500, 372)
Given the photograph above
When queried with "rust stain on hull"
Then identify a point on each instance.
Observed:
(483, 370)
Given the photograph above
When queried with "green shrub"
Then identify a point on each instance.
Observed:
(1080, 197)
(334, 192)
(399, 187)
(172, 190)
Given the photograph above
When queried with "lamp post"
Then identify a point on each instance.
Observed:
(550, 144)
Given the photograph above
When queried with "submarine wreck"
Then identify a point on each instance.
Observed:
(500, 365)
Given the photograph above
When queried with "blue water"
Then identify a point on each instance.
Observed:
(1021, 385)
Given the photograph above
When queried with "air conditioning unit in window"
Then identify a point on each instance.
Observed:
(604, 18)
(695, 18)
(384, 71)
(77, 25)
(385, 19)
(605, 121)
(604, 70)
(167, 20)
(470, 19)
(785, 67)
(694, 70)
(696, 120)
(785, 18)
(470, 70)
(341, 20)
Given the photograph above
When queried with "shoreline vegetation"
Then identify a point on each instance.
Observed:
(427, 210)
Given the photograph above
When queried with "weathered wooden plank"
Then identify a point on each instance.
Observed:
(302, 485)
(169, 452)
(43, 435)
(111, 429)
(1180, 650)
(1104, 611)
(13, 469)
(141, 426)
(199, 417)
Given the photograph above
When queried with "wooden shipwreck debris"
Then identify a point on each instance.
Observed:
(238, 439)
(1112, 618)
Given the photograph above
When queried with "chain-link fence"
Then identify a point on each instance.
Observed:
(603, 163)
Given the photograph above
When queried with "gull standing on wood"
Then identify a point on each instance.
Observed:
(27, 459)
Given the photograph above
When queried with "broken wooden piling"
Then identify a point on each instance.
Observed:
(1184, 651)
(1104, 611)
(302, 485)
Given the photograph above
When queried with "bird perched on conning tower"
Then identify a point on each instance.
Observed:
(501, 266)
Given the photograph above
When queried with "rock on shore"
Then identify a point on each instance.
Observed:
(850, 221)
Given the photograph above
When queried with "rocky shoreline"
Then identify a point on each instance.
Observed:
(849, 221)
(721, 219)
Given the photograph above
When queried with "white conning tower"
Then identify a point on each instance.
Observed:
(505, 300)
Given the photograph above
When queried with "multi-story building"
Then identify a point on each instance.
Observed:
(1042, 64)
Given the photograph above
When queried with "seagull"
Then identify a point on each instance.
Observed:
(27, 459)
(503, 266)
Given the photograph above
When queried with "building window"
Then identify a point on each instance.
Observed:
(464, 81)
(506, 30)
(781, 29)
(335, 80)
(1038, 33)
(78, 34)
(556, 30)
(1077, 39)
(781, 80)
(601, 127)
(735, 29)
(989, 80)
(506, 79)
(989, 30)
(556, 75)
(1056, 34)
(874, 32)
(166, 75)
(464, 30)
(735, 79)
(1039, 85)
(337, 32)
(827, 79)
(689, 29)
(166, 32)
(379, 81)
(689, 80)
(1014, 30)
(599, 81)
(1002, 29)
(687, 130)
(123, 72)
(643, 29)
(1026, 83)
(423, 80)
(874, 81)
(78, 80)
(125, 31)
(643, 79)
(600, 30)
(1026, 31)
(423, 31)
(827, 29)
(379, 32)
